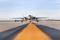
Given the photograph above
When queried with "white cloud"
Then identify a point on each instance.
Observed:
(19, 11)
(46, 13)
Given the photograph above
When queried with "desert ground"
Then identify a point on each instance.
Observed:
(52, 24)
(5, 25)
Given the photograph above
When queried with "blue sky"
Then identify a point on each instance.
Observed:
(21, 8)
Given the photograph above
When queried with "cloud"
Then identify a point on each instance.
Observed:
(46, 13)
(16, 8)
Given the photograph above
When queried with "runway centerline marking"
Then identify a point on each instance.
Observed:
(31, 32)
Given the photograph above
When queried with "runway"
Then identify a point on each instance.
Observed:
(32, 30)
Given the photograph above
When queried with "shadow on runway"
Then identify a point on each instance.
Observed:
(9, 34)
(53, 33)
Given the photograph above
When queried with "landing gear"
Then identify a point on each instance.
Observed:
(37, 20)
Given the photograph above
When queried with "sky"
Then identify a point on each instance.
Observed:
(20, 8)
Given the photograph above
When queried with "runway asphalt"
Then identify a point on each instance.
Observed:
(10, 34)
(53, 33)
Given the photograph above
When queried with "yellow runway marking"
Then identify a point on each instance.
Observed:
(31, 32)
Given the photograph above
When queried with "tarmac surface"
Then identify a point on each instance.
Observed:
(11, 33)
